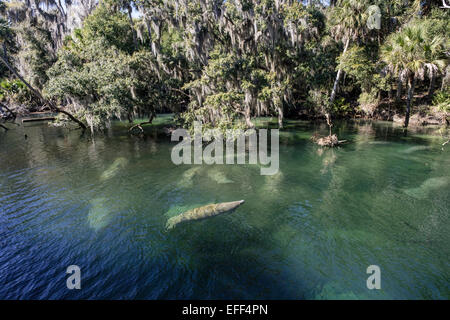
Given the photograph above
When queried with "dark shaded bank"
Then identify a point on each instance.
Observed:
(422, 114)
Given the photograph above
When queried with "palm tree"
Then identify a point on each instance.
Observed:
(349, 19)
(412, 53)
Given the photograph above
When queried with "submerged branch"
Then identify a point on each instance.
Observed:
(139, 125)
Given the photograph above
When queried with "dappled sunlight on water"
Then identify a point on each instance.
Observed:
(308, 232)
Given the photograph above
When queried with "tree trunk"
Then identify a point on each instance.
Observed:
(411, 85)
(279, 107)
(399, 88)
(431, 87)
(248, 120)
(39, 95)
(338, 77)
(280, 117)
(329, 122)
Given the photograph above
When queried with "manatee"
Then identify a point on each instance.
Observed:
(416, 148)
(98, 216)
(272, 184)
(427, 187)
(204, 212)
(188, 175)
(175, 210)
(218, 176)
(114, 169)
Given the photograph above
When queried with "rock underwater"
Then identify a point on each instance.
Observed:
(204, 212)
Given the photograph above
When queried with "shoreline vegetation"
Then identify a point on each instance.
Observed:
(225, 64)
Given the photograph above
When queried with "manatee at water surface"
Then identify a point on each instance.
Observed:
(204, 212)
(176, 209)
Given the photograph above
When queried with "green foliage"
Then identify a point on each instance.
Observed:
(111, 26)
(357, 64)
(413, 51)
(367, 98)
(7, 38)
(442, 101)
(318, 101)
(99, 76)
(225, 62)
(15, 92)
(340, 107)
(36, 52)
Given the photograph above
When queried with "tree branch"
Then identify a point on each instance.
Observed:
(52, 106)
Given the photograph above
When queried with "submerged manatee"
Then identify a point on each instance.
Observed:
(218, 176)
(204, 212)
(272, 184)
(416, 148)
(98, 216)
(188, 176)
(114, 169)
(430, 185)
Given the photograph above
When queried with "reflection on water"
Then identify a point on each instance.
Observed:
(308, 232)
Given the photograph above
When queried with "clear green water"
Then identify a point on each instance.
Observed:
(309, 232)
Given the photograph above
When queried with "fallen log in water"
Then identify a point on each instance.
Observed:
(40, 112)
(204, 212)
(38, 119)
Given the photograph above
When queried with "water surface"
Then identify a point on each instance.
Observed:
(308, 232)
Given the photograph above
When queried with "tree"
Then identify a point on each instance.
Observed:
(348, 20)
(412, 53)
(101, 77)
(4, 32)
